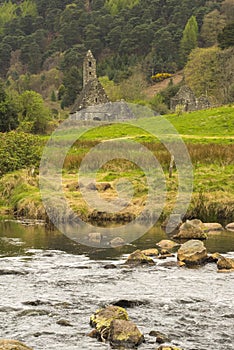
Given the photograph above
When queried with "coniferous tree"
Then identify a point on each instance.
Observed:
(189, 39)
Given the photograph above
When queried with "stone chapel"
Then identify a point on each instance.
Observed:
(92, 93)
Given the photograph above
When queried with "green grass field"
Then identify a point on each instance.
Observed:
(215, 125)
(209, 138)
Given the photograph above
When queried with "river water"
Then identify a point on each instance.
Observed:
(45, 277)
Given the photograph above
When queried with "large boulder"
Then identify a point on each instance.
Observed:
(191, 229)
(125, 334)
(7, 344)
(225, 264)
(102, 319)
(112, 323)
(168, 245)
(230, 226)
(192, 252)
(151, 252)
(138, 258)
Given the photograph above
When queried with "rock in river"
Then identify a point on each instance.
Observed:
(160, 337)
(225, 264)
(151, 252)
(230, 227)
(125, 333)
(7, 344)
(112, 323)
(192, 252)
(212, 226)
(191, 229)
(168, 245)
(102, 319)
(138, 258)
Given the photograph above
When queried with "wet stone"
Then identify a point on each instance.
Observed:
(36, 302)
(192, 252)
(160, 337)
(138, 258)
(125, 333)
(109, 266)
(225, 264)
(130, 303)
(12, 272)
(7, 344)
(63, 322)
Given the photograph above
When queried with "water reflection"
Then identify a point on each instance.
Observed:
(17, 238)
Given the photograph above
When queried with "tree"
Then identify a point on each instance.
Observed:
(53, 96)
(189, 39)
(200, 71)
(226, 37)
(227, 9)
(33, 115)
(213, 23)
(8, 112)
(73, 85)
(5, 56)
(210, 71)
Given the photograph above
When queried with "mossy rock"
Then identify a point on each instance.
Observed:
(138, 258)
(191, 230)
(102, 318)
(125, 333)
(151, 252)
(225, 264)
(8, 344)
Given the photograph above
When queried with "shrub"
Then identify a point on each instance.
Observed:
(19, 150)
(160, 76)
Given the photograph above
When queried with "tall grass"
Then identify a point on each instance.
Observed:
(217, 154)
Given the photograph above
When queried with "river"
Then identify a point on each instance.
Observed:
(45, 277)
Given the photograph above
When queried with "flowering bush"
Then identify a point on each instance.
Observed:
(161, 76)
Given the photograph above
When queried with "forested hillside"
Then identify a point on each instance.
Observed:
(42, 43)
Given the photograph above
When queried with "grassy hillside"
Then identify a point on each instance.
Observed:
(214, 125)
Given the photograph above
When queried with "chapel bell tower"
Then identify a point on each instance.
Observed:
(89, 68)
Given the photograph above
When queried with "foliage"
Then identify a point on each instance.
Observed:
(19, 150)
(157, 103)
(115, 6)
(189, 38)
(213, 23)
(33, 114)
(209, 72)
(112, 90)
(8, 111)
(133, 87)
(10, 11)
(36, 33)
(226, 37)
